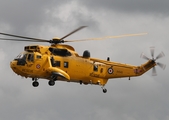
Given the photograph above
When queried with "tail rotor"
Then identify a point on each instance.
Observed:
(160, 55)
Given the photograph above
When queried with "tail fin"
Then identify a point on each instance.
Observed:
(148, 65)
(144, 67)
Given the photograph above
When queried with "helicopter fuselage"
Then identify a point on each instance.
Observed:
(61, 62)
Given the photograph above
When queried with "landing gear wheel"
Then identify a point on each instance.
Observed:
(81, 82)
(51, 82)
(104, 90)
(35, 84)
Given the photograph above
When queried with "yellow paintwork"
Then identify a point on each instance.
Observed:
(73, 68)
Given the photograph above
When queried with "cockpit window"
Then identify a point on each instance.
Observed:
(30, 57)
(20, 56)
(25, 56)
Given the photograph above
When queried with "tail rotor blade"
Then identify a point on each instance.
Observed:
(154, 73)
(161, 65)
(152, 51)
(160, 55)
(144, 57)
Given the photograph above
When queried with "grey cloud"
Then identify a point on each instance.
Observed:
(130, 6)
(143, 97)
(21, 14)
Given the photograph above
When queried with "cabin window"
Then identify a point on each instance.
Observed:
(54, 63)
(57, 63)
(30, 57)
(95, 67)
(66, 64)
(38, 57)
(101, 70)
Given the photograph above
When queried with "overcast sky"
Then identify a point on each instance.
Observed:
(145, 97)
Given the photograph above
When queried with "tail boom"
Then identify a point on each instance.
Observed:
(120, 71)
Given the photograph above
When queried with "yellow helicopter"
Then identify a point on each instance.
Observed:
(60, 62)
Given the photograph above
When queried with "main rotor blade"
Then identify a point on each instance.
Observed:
(107, 37)
(152, 51)
(154, 73)
(21, 40)
(17, 36)
(73, 32)
(160, 56)
(144, 57)
(161, 65)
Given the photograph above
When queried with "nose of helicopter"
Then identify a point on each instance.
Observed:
(13, 65)
(16, 68)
